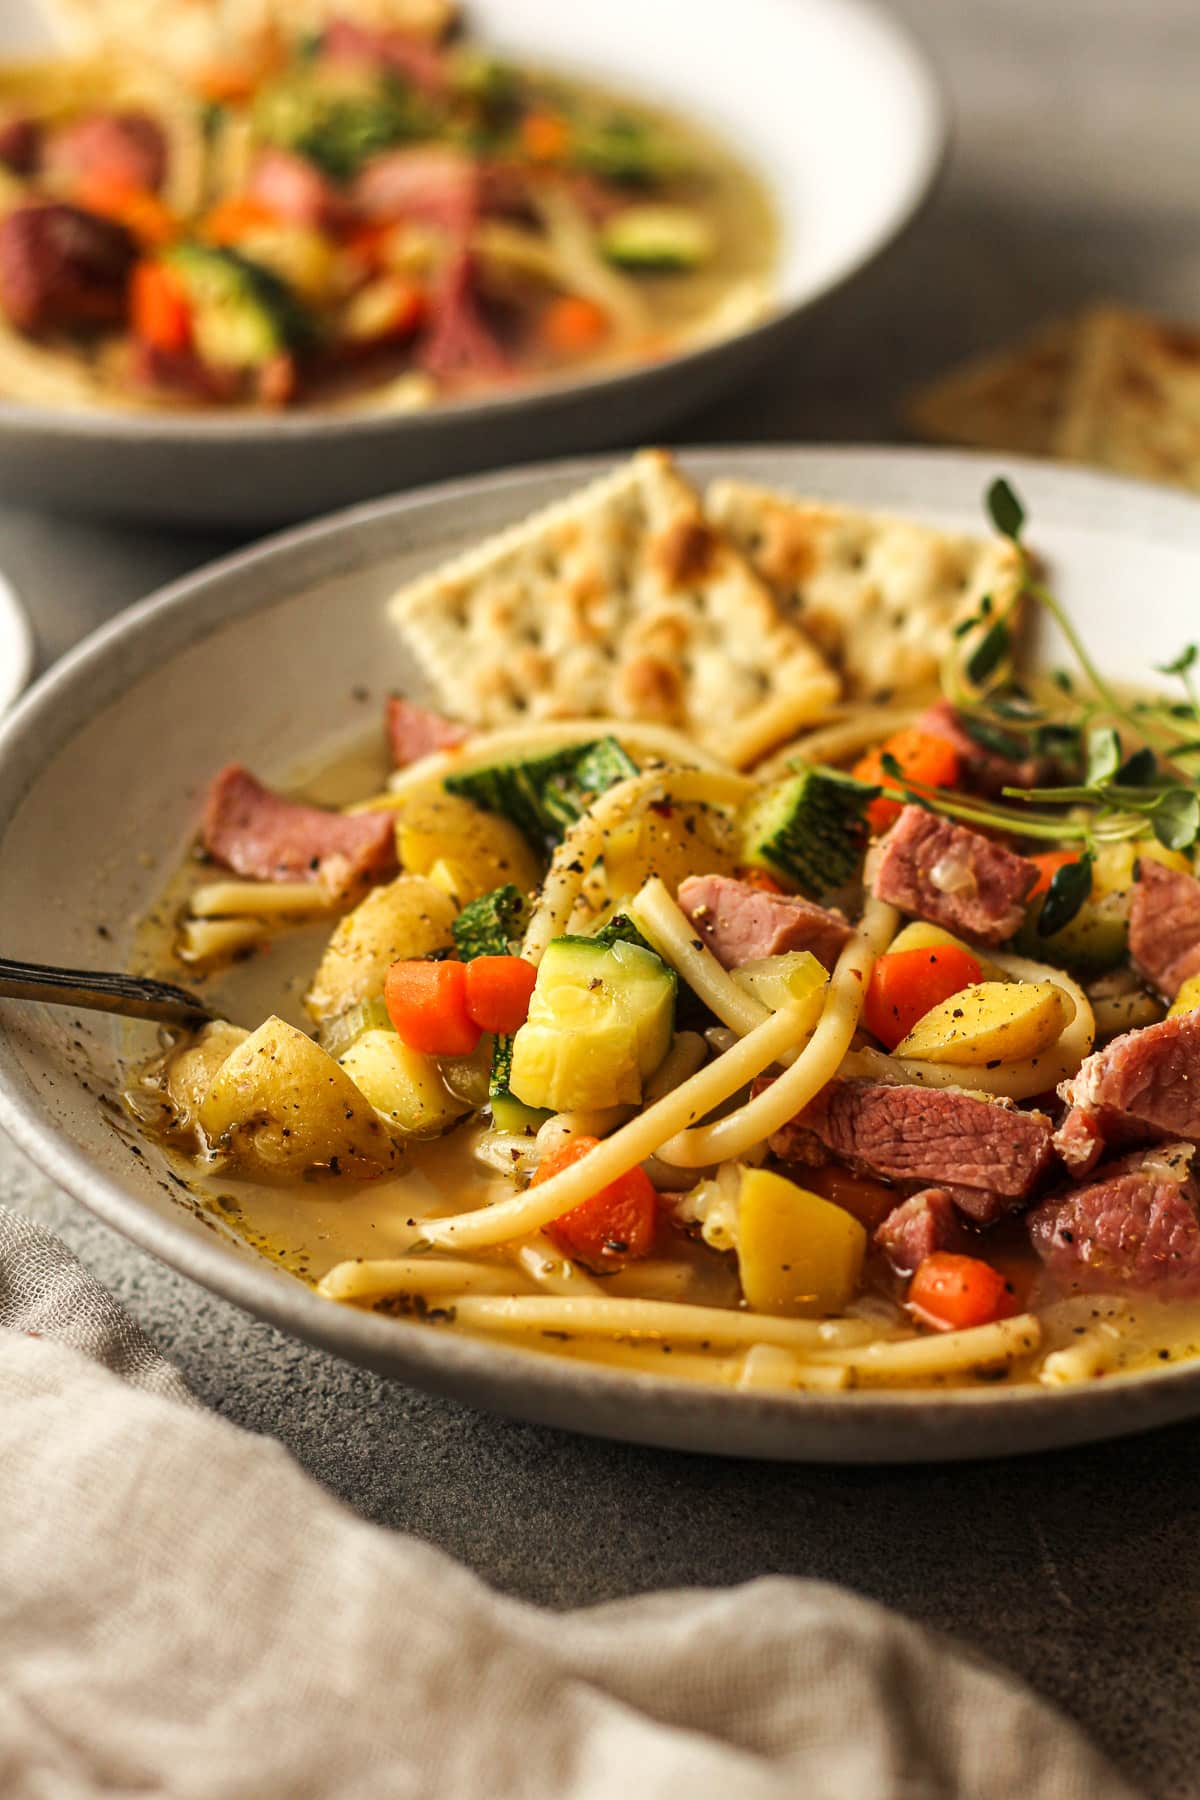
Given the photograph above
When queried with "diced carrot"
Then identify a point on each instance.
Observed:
(225, 83)
(368, 243)
(573, 323)
(545, 137)
(236, 217)
(614, 1226)
(427, 1003)
(905, 984)
(1048, 865)
(141, 212)
(499, 990)
(160, 311)
(952, 1293)
(924, 759)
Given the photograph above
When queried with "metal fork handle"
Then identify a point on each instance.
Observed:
(101, 990)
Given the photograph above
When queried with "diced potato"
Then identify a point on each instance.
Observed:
(1112, 871)
(797, 1253)
(282, 1107)
(1097, 938)
(919, 936)
(401, 1084)
(190, 1071)
(1187, 999)
(298, 254)
(479, 850)
(778, 981)
(407, 918)
(995, 1021)
(686, 840)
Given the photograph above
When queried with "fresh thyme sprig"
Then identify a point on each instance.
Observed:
(1160, 722)
(1117, 797)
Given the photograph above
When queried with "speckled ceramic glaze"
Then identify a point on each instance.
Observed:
(828, 99)
(102, 767)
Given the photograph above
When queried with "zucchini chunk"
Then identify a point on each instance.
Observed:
(811, 828)
(543, 795)
(663, 238)
(243, 313)
(600, 1022)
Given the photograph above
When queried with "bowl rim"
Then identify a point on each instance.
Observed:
(640, 1407)
(930, 147)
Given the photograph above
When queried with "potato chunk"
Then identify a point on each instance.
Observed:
(474, 851)
(406, 1087)
(407, 918)
(281, 1107)
(797, 1253)
(189, 1072)
(995, 1021)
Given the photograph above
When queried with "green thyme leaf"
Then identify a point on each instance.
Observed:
(1182, 663)
(1103, 755)
(1176, 818)
(1069, 890)
(1005, 510)
(989, 653)
(1140, 770)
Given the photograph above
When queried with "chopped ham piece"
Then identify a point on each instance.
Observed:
(182, 372)
(953, 877)
(414, 731)
(264, 837)
(60, 265)
(996, 1154)
(1144, 1083)
(1164, 926)
(127, 149)
(984, 771)
(740, 922)
(919, 1226)
(294, 189)
(1085, 1136)
(20, 143)
(460, 343)
(1135, 1228)
(344, 41)
(439, 186)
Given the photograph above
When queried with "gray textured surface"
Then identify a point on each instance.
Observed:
(1072, 174)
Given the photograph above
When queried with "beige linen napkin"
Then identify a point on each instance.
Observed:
(184, 1613)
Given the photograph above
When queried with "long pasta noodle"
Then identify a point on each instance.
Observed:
(928, 1358)
(667, 929)
(815, 1066)
(263, 900)
(626, 1148)
(379, 1278)
(663, 1320)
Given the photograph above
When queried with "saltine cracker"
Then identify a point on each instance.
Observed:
(879, 595)
(1134, 400)
(1010, 399)
(622, 601)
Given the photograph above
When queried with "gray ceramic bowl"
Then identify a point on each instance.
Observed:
(828, 99)
(102, 766)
